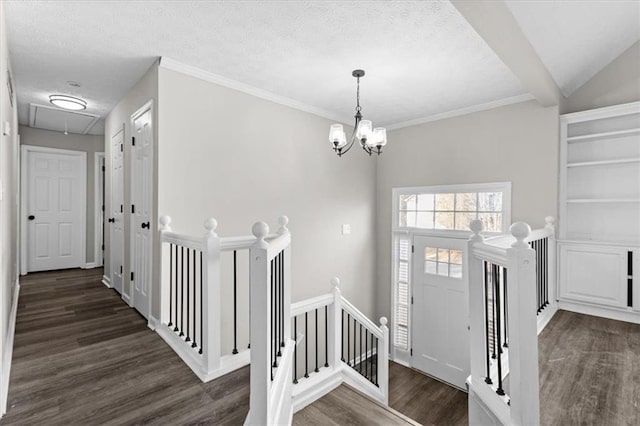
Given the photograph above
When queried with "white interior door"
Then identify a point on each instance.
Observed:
(141, 190)
(440, 338)
(56, 191)
(117, 211)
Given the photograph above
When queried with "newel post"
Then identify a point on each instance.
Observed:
(260, 324)
(551, 259)
(165, 222)
(383, 360)
(335, 325)
(524, 388)
(283, 221)
(211, 315)
(474, 267)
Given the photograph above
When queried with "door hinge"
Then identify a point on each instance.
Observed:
(412, 300)
(133, 140)
(132, 276)
(133, 208)
(121, 269)
(103, 247)
(121, 208)
(103, 169)
(103, 207)
(121, 147)
(413, 248)
(411, 352)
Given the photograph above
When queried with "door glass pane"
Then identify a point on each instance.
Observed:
(445, 202)
(455, 256)
(430, 253)
(443, 255)
(455, 271)
(466, 202)
(444, 220)
(443, 269)
(430, 267)
(424, 220)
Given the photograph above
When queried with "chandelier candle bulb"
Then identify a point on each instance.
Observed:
(364, 130)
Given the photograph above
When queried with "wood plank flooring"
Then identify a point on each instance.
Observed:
(83, 357)
(589, 371)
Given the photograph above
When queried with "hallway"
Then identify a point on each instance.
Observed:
(82, 356)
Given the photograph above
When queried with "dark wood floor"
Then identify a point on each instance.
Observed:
(83, 357)
(589, 371)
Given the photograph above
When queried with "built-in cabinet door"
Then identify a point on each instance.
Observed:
(594, 274)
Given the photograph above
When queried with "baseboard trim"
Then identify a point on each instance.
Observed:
(89, 265)
(617, 314)
(106, 281)
(545, 317)
(8, 351)
(152, 322)
(127, 299)
(309, 390)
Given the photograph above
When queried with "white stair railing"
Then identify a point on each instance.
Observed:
(270, 401)
(191, 294)
(502, 284)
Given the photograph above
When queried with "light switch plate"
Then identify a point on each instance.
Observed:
(346, 229)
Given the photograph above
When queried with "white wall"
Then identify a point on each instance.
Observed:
(516, 143)
(617, 83)
(145, 90)
(241, 159)
(86, 143)
(9, 202)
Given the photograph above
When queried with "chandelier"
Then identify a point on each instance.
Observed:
(370, 139)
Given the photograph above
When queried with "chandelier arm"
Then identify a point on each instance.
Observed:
(357, 117)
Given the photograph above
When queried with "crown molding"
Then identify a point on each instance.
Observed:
(173, 65)
(463, 111)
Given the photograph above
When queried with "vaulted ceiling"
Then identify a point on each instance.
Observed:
(422, 59)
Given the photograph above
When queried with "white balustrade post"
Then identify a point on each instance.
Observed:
(474, 268)
(383, 361)
(211, 315)
(260, 324)
(551, 260)
(165, 222)
(335, 325)
(523, 337)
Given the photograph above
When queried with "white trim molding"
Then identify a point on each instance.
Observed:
(89, 265)
(8, 351)
(98, 204)
(106, 281)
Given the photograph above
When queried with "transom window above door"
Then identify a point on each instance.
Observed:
(453, 207)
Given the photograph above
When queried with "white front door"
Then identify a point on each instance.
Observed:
(440, 338)
(116, 221)
(56, 202)
(141, 191)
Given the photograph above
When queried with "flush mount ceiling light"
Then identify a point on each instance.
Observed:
(68, 102)
(371, 139)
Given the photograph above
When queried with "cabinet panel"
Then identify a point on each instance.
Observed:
(594, 274)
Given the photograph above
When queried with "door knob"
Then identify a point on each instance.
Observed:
(145, 225)
(112, 220)
(31, 217)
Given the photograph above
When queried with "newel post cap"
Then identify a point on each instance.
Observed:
(383, 321)
(550, 222)
(210, 225)
(260, 230)
(165, 221)
(476, 227)
(283, 221)
(520, 231)
(335, 281)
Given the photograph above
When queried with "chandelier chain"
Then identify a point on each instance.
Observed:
(358, 107)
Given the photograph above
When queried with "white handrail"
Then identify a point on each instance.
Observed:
(362, 318)
(309, 305)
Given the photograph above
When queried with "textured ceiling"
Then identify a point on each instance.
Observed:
(577, 38)
(421, 58)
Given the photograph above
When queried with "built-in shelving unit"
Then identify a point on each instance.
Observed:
(599, 217)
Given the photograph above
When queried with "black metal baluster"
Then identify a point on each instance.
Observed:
(493, 311)
(182, 291)
(355, 325)
(235, 302)
(366, 353)
(170, 283)
(295, 350)
(376, 363)
(317, 369)
(506, 308)
(496, 284)
(486, 320)
(175, 291)
(188, 339)
(546, 271)
(371, 361)
(282, 277)
(193, 345)
(326, 336)
(274, 352)
(342, 336)
(360, 349)
(306, 344)
(276, 295)
(201, 297)
(348, 339)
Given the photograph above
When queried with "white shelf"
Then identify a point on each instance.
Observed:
(604, 162)
(603, 200)
(584, 138)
